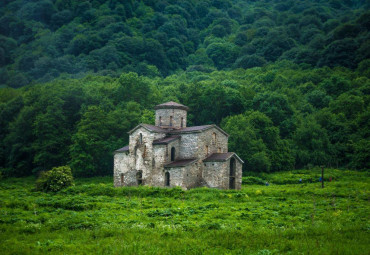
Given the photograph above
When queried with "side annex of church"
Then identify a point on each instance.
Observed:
(170, 154)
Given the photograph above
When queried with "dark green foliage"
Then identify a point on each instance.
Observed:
(295, 104)
(55, 179)
(279, 117)
(108, 37)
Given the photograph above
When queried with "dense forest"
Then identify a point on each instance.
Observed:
(44, 39)
(288, 80)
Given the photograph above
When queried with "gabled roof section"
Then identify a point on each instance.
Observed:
(171, 105)
(219, 157)
(197, 129)
(150, 128)
(181, 163)
(123, 149)
(166, 140)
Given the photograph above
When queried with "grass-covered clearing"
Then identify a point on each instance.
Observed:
(93, 217)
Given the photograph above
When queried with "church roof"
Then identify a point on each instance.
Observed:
(195, 129)
(149, 128)
(181, 162)
(165, 140)
(171, 105)
(123, 149)
(219, 157)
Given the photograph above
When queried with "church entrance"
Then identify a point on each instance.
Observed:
(167, 179)
(232, 173)
(139, 177)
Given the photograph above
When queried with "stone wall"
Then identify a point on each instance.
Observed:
(189, 145)
(165, 114)
(176, 176)
(215, 140)
(139, 158)
(121, 166)
(215, 174)
(162, 156)
(238, 176)
(192, 176)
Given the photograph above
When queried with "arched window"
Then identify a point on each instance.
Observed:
(182, 122)
(207, 150)
(170, 121)
(167, 179)
(214, 138)
(219, 150)
(173, 150)
(160, 120)
(144, 153)
(232, 173)
(141, 138)
(139, 177)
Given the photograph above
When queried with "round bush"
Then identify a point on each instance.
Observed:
(54, 180)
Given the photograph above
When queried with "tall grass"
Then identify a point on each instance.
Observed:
(285, 217)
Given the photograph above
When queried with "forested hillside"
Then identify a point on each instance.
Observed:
(279, 117)
(44, 39)
(288, 80)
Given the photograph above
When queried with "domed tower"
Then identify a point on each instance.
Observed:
(171, 115)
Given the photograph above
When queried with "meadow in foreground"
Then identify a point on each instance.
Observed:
(285, 217)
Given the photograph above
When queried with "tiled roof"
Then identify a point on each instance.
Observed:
(123, 149)
(181, 162)
(219, 157)
(171, 105)
(154, 128)
(196, 129)
(150, 128)
(222, 157)
(190, 129)
(177, 131)
(165, 140)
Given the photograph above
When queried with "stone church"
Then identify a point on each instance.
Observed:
(171, 154)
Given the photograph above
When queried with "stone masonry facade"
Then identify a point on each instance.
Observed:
(170, 154)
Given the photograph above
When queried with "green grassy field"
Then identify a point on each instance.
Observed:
(286, 217)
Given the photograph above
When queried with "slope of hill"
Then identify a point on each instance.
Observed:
(43, 39)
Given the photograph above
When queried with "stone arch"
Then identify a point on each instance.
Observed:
(232, 173)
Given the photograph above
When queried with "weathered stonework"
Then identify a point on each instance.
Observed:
(170, 154)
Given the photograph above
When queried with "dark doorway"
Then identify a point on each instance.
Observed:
(232, 173)
(139, 177)
(167, 179)
(173, 150)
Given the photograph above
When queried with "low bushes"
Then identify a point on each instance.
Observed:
(54, 180)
